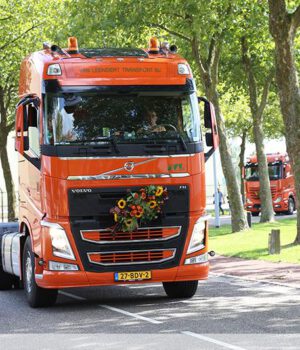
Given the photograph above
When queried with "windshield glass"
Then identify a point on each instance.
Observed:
(92, 118)
(251, 172)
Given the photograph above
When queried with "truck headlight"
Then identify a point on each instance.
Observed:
(198, 236)
(278, 199)
(249, 200)
(59, 240)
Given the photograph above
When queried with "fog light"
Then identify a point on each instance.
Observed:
(199, 259)
(57, 266)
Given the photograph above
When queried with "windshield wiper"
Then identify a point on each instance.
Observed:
(100, 140)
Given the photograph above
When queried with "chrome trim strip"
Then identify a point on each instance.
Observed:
(134, 240)
(122, 168)
(132, 263)
(131, 176)
(131, 157)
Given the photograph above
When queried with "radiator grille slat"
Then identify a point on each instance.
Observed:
(131, 257)
(103, 236)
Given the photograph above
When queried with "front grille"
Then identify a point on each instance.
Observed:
(254, 194)
(273, 192)
(131, 257)
(156, 245)
(104, 236)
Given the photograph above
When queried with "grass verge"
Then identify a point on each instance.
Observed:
(253, 244)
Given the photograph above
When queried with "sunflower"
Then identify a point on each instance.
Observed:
(152, 204)
(121, 203)
(159, 191)
(128, 222)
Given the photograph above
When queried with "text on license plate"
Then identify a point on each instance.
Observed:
(132, 276)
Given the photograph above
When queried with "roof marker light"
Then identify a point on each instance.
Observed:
(72, 45)
(54, 69)
(154, 45)
(183, 69)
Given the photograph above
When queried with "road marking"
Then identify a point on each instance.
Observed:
(73, 296)
(147, 319)
(127, 313)
(217, 274)
(211, 340)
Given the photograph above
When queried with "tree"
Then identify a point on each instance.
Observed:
(257, 109)
(283, 27)
(199, 29)
(20, 23)
(238, 123)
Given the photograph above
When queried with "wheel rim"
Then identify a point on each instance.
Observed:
(28, 273)
(291, 206)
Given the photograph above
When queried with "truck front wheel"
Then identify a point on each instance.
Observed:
(185, 289)
(291, 206)
(36, 296)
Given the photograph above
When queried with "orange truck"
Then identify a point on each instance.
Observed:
(281, 180)
(111, 172)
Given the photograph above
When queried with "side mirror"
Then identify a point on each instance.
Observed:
(21, 141)
(212, 137)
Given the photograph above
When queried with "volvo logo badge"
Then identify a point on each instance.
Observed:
(129, 166)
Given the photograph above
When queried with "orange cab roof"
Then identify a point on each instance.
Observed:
(89, 67)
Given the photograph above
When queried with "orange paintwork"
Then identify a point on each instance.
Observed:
(43, 193)
(284, 188)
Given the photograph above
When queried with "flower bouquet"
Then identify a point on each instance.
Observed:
(137, 207)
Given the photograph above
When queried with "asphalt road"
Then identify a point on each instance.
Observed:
(226, 313)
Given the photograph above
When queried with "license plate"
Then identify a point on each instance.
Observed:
(133, 276)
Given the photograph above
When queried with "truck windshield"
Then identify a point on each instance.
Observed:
(275, 172)
(93, 118)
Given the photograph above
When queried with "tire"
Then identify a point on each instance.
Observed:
(291, 207)
(255, 213)
(186, 289)
(36, 296)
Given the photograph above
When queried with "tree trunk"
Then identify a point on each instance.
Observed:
(11, 198)
(209, 77)
(267, 212)
(257, 109)
(283, 26)
(241, 163)
(238, 218)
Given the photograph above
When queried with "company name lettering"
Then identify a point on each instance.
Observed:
(120, 70)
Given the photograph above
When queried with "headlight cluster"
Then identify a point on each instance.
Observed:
(278, 199)
(59, 240)
(198, 236)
